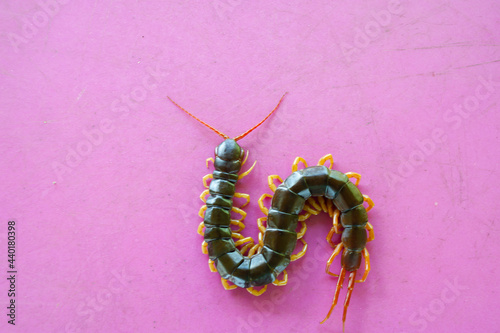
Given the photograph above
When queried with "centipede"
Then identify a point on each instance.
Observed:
(243, 262)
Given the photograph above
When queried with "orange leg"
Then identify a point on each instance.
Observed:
(295, 165)
(257, 292)
(243, 163)
(334, 229)
(261, 227)
(371, 234)
(270, 181)
(335, 253)
(210, 159)
(236, 235)
(203, 195)
(254, 249)
(283, 281)
(239, 211)
(322, 203)
(302, 231)
(366, 255)
(200, 228)
(211, 265)
(329, 237)
(304, 216)
(326, 158)
(250, 245)
(243, 241)
(248, 171)
(226, 285)
(244, 196)
(330, 207)
(369, 201)
(246, 157)
(240, 225)
(336, 215)
(263, 208)
(299, 255)
(350, 287)
(316, 206)
(248, 241)
(309, 209)
(201, 212)
(337, 292)
(354, 175)
(207, 177)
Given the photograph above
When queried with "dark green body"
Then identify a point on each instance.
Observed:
(280, 237)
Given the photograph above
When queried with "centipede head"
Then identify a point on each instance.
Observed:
(228, 156)
(229, 150)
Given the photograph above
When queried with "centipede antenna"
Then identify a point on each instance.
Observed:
(201, 121)
(241, 136)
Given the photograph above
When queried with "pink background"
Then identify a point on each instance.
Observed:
(102, 173)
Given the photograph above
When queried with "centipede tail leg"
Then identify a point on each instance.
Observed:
(337, 292)
(352, 277)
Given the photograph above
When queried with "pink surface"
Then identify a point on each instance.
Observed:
(102, 173)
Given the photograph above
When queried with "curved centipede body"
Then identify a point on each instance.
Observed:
(294, 200)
